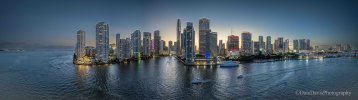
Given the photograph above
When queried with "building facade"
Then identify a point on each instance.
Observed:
(147, 38)
(136, 44)
(189, 43)
(246, 43)
(204, 29)
(102, 42)
(157, 39)
(80, 44)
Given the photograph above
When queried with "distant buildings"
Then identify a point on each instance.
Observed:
(204, 29)
(147, 37)
(102, 42)
(80, 44)
(157, 39)
(136, 44)
(189, 35)
(246, 43)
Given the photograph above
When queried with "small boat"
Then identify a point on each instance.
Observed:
(240, 76)
(229, 64)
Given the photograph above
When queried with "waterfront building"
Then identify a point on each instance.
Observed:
(295, 45)
(339, 47)
(118, 49)
(232, 43)
(136, 44)
(269, 48)
(102, 42)
(302, 44)
(279, 45)
(286, 46)
(170, 46)
(147, 37)
(246, 41)
(125, 48)
(182, 45)
(178, 48)
(212, 48)
(204, 29)
(80, 45)
(256, 47)
(162, 47)
(157, 39)
(221, 48)
(189, 43)
(308, 44)
(261, 44)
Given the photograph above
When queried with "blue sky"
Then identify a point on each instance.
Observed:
(55, 22)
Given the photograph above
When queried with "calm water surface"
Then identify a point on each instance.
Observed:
(50, 74)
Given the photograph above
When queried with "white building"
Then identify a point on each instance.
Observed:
(80, 45)
(102, 42)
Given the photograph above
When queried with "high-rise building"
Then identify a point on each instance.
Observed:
(286, 46)
(256, 47)
(189, 43)
(118, 46)
(339, 48)
(295, 45)
(212, 48)
(162, 45)
(147, 37)
(102, 42)
(182, 36)
(80, 45)
(246, 43)
(261, 44)
(232, 43)
(157, 39)
(178, 48)
(308, 44)
(125, 48)
(302, 44)
(170, 46)
(221, 48)
(279, 45)
(204, 29)
(136, 44)
(269, 48)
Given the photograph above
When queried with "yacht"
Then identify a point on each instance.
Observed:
(229, 64)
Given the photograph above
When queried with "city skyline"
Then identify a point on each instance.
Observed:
(58, 26)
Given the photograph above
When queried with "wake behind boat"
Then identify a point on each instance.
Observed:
(229, 64)
(199, 81)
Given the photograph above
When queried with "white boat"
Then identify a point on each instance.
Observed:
(229, 64)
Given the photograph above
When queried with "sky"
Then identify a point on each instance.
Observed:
(55, 22)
